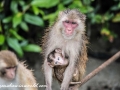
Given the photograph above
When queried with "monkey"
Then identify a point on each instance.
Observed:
(15, 72)
(55, 58)
(68, 34)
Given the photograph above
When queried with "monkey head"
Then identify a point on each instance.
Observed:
(56, 58)
(8, 65)
(71, 23)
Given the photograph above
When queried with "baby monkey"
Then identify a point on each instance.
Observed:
(56, 58)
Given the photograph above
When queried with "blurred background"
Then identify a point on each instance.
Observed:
(23, 22)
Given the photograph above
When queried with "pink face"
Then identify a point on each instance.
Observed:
(58, 59)
(10, 73)
(69, 26)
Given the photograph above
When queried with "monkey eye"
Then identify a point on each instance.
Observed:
(67, 21)
(73, 22)
(11, 67)
(3, 72)
(8, 67)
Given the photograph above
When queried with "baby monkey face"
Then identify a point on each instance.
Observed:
(56, 58)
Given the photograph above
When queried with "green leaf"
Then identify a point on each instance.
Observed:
(7, 19)
(25, 7)
(96, 18)
(14, 44)
(108, 16)
(17, 19)
(76, 3)
(116, 18)
(105, 31)
(31, 48)
(2, 39)
(83, 9)
(44, 3)
(24, 43)
(89, 9)
(21, 2)
(35, 10)
(115, 7)
(14, 6)
(87, 2)
(16, 35)
(50, 17)
(61, 7)
(24, 26)
(41, 12)
(32, 19)
(65, 2)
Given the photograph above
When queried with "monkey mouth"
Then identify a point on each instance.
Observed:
(69, 32)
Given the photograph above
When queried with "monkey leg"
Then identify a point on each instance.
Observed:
(48, 75)
(73, 87)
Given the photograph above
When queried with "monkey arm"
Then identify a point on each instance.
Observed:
(48, 75)
(68, 75)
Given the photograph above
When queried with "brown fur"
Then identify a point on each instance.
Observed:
(9, 58)
(75, 47)
(80, 65)
(23, 75)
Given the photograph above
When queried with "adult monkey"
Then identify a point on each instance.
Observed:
(14, 73)
(68, 34)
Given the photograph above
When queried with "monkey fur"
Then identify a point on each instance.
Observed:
(23, 76)
(74, 47)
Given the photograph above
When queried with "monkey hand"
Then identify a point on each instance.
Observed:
(51, 65)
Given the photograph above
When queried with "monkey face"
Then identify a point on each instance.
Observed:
(70, 27)
(8, 73)
(58, 60)
(8, 65)
(72, 23)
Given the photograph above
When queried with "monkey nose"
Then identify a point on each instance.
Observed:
(69, 31)
(69, 28)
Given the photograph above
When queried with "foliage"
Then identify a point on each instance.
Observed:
(17, 20)
(19, 14)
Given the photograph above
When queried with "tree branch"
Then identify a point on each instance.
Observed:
(97, 70)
